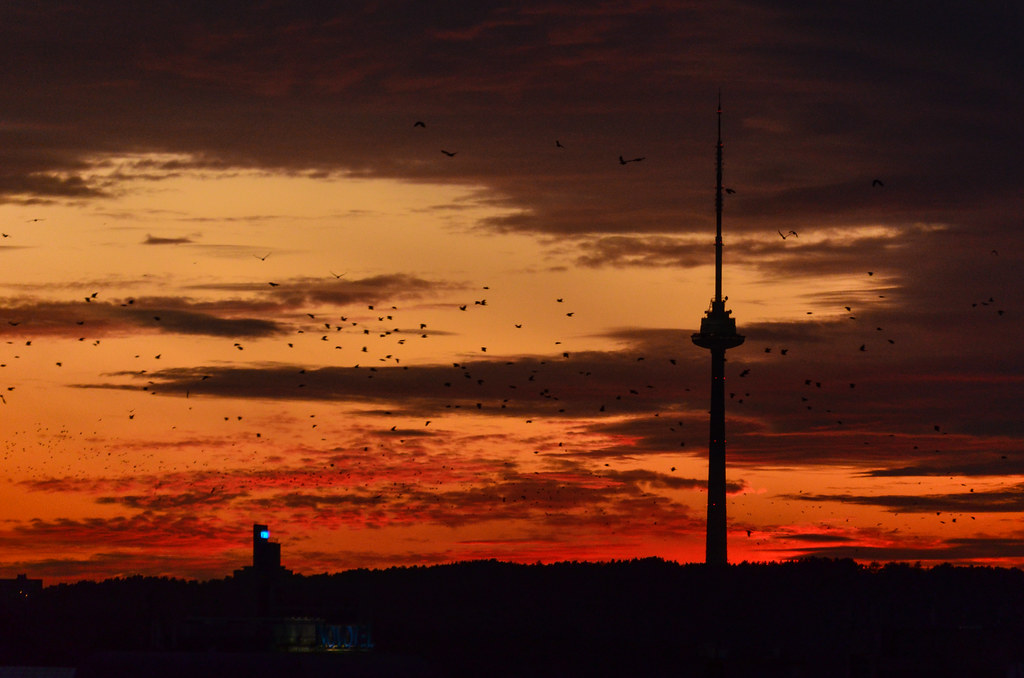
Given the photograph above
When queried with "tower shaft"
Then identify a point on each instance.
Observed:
(716, 546)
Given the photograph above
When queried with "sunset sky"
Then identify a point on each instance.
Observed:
(239, 284)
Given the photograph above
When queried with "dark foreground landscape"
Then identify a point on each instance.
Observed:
(637, 618)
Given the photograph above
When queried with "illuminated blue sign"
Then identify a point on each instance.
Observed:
(264, 534)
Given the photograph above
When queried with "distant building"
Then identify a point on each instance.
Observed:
(20, 588)
(266, 555)
(282, 634)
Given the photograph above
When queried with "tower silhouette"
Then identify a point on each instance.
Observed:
(717, 334)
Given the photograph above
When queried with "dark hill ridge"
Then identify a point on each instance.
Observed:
(639, 617)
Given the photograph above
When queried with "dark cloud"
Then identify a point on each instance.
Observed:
(296, 293)
(36, 188)
(564, 499)
(625, 250)
(189, 322)
(578, 386)
(1009, 500)
(965, 550)
(182, 315)
(121, 531)
(785, 409)
(98, 318)
(166, 502)
(155, 240)
(843, 106)
(401, 489)
(991, 464)
(146, 544)
(667, 481)
(820, 538)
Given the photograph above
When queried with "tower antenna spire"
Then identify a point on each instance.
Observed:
(718, 205)
(717, 334)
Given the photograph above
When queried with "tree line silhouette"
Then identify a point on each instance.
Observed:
(639, 617)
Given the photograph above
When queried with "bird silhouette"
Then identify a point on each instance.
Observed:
(419, 123)
(450, 154)
(623, 161)
(876, 182)
(558, 144)
(263, 258)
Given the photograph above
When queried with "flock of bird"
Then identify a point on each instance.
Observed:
(530, 388)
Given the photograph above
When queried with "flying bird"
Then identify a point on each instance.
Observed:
(419, 123)
(876, 182)
(558, 144)
(623, 161)
(450, 154)
(263, 258)
(791, 233)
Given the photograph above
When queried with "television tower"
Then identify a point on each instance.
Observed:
(717, 334)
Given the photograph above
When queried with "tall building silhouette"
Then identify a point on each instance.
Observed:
(266, 554)
(266, 557)
(717, 334)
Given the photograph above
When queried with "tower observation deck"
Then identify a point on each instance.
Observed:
(717, 334)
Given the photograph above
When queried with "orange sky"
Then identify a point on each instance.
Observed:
(283, 304)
